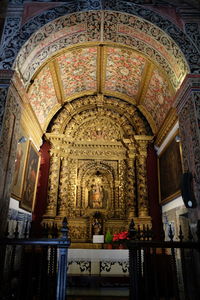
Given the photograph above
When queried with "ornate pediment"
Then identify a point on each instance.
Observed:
(101, 129)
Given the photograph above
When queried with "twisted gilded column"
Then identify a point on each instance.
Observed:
(131, 199)
(143, 204)
(53, 183)
(63, 190)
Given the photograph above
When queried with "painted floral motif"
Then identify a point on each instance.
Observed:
(124, 71)
(78, 70)
(42, 95)
(158, 99)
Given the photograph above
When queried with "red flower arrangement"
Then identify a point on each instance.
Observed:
(121, 236)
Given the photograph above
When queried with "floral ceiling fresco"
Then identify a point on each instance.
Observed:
(77, 70)
(102, 69)
(124, 69)
(158, 98)
(42, 95)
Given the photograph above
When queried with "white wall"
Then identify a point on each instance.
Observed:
(14, 204)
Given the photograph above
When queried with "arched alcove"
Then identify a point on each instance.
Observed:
(77, 68)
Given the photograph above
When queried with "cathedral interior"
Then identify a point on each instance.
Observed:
(99, 116)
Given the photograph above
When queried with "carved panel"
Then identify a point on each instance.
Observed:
(3, 94)
(8, 146)
(189, 130)
(7, 52)
(193, 31)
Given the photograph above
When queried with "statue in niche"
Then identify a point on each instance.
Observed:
(97, 194)
(97, 224)
(96, 227)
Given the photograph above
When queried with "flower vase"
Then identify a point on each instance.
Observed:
(121, 246)
(109, 246)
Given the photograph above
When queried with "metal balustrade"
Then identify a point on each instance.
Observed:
(163, 269)
(34, 269)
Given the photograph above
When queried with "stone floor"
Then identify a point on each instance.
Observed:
(98, 293)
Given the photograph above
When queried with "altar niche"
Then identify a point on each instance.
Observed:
(97, 194)
(98, 145)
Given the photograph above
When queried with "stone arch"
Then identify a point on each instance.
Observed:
(186, 45)
(128, 30)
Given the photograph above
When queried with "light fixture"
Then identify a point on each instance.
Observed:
(177, 138)
(22, 139)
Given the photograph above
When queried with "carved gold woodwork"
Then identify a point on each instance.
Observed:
(63, 189)
(98, 164)
(143, 205)
(53, 185)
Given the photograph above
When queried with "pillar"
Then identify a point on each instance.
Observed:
(188, 109)
(10, 113)
(131, 195)
(63, 191)
(141, 174)
(53, 184)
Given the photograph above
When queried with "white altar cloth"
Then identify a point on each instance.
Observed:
(103, 262)
(97, 255)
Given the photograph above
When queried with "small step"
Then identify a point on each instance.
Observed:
(98, 293)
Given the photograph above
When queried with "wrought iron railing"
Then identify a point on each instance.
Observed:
(34, 269)
(163, 269)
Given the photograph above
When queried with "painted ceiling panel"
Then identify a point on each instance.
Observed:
(112, 70)
(124, 69)
(159, 98)
(42, 95)
(78, 70)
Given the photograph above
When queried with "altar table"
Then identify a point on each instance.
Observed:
(98, 262)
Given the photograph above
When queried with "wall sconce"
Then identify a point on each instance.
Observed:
(22, 139)
(177, 138)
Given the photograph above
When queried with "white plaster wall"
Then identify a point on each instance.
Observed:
(14, 204)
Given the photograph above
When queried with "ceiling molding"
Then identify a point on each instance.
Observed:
(168, 124)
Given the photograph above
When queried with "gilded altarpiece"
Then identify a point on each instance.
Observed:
(96, 155)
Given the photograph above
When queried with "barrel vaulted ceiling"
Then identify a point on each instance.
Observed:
(106, 53)
(109, 70)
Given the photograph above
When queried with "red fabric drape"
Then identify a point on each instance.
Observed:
(41, 196)
(153, 195)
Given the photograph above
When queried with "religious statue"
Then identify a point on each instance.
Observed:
(96, 226)
(96, 196)
(97, 192)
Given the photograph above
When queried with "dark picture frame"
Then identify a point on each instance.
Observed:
(170, 170)
(30, 178)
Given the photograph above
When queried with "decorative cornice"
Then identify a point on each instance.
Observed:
(31, 125)
(191, 83)
(168, 124)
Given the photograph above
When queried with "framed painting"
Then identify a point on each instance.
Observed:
(20, 160)
(30, 178)
(170, 171)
